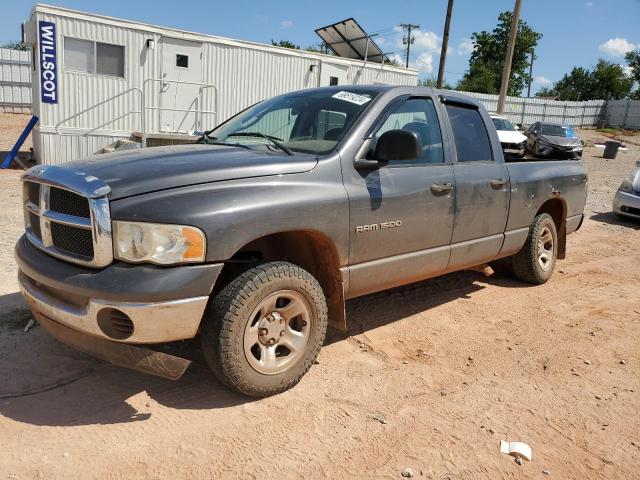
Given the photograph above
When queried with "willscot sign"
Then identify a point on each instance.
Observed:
(48, 62)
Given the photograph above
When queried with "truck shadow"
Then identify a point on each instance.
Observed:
(382, 308)
(43, 382)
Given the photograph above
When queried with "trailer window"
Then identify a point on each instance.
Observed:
(182, 61)
(78, 55)
(110, 60)
(87, 56)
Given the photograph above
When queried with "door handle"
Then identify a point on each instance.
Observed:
(498, 183)
(440, 188)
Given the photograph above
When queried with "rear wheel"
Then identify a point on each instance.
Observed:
(535, 262)
(264, 330)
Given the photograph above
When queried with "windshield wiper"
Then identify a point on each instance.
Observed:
(275, 140)
(207, 140)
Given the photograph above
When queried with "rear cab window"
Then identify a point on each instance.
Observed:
(470, 134)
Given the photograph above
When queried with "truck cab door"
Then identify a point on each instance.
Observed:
(401, 213)
(482, 188)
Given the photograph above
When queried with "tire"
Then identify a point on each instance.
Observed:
(535, 262)
(264, 330)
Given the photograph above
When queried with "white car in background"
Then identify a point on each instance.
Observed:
(513, 142)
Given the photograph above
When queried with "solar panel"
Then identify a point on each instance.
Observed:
(347, 39)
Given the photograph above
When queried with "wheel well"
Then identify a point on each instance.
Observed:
(557, 208)
(311, 250)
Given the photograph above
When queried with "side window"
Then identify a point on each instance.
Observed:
(417, 115)
(470, 133)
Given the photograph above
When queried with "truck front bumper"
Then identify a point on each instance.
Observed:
(122, 303)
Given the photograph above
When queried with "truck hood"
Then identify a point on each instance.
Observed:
(147, 170)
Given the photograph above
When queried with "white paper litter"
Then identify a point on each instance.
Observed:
(516, 449)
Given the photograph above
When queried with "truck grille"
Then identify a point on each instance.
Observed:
(69, 203)
(72, 240)
(65, 223)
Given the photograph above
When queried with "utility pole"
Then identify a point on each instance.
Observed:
(506, 71)
(408, 40)
(445, 45)
(530, 74)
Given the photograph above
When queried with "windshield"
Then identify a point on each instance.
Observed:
(308, 121)
(558, 131)
(503, 124)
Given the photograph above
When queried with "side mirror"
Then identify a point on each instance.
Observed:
(393, 145)
(398, 145)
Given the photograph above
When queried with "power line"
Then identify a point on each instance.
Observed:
(408, 40)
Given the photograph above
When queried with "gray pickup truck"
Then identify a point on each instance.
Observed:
(253, 238)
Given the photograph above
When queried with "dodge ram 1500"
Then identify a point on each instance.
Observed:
(253, 238)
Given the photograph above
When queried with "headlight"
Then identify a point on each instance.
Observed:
(162, 244)
(627, 185)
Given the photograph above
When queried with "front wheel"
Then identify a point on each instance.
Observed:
(264, 330)
(535, 262)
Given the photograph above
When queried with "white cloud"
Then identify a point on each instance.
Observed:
(617, 47)
(542, 81)
(397, 58)
(465, 47)
(284, 24)
(627, 70)
(426, 45)
(588, 4)
(424, 62)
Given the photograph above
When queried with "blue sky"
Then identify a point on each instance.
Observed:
(576, 32)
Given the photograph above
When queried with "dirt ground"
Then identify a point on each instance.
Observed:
(430, 378)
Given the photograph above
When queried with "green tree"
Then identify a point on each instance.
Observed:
(393, 61)
(487, 59)
(546, 92)
(14, 45)
(285, 44)
(575, 86)
(633, 60)
(606, 81)
(480, 78)
(610, 81)
(431, 82)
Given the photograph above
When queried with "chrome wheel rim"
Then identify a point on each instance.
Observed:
(545, 249)
(277, 332)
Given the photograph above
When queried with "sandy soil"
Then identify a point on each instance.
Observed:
(448, 367)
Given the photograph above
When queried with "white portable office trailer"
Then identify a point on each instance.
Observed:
(97, 79)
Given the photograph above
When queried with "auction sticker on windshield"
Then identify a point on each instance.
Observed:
(352, 97)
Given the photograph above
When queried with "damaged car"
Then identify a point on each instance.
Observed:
(546, 139)
(626, 203)
(513, 142)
